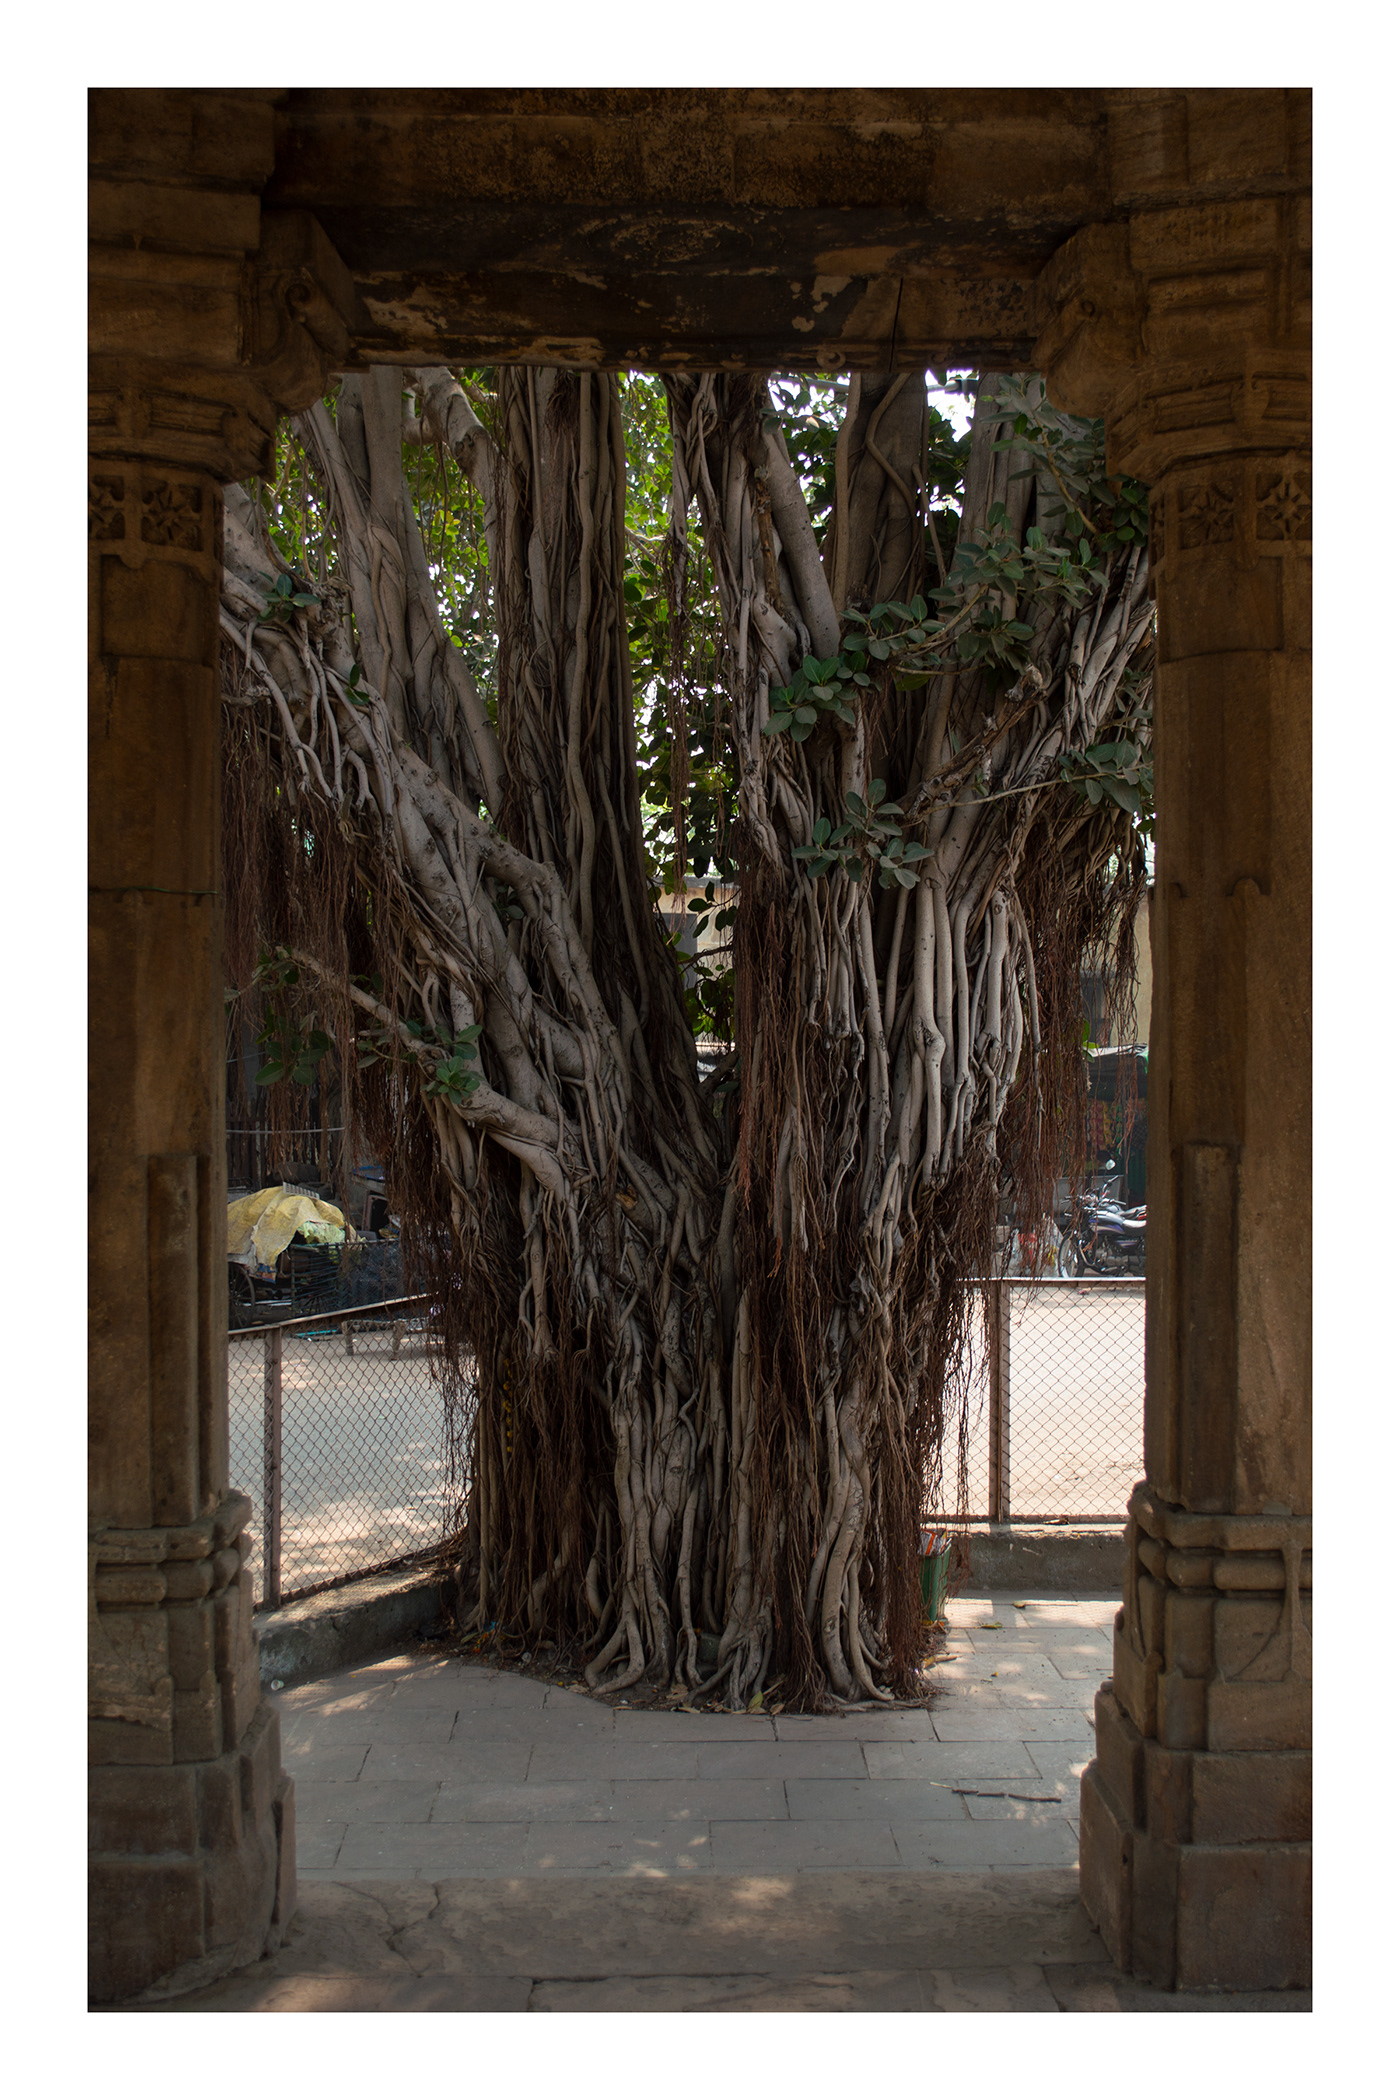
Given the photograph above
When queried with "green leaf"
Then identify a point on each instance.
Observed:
(879, 650)
(844, 712)
(271, 1073)
(1094, 790)
(854, 802)
(812, 670)
(807, 715)
(823, 692)
(800, 730)
(905, 877)
(821, 830)
(776, 724)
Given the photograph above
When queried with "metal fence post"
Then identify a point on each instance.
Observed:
(998, 1303)
(272, 1468)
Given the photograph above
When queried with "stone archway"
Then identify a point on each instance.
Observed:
(1146, 249)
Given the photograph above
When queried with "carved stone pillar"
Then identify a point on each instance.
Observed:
(1188, 331)
(208, 317)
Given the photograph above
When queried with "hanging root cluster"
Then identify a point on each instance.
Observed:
(701, 1355)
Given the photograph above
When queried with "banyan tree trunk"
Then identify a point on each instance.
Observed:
(711, 1351)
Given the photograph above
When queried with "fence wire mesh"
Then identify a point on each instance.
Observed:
(1055, 1404)
(336, 1430)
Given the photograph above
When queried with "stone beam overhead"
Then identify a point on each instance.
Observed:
(800, 229)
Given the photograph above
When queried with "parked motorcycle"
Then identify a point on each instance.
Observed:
(1104, 1239)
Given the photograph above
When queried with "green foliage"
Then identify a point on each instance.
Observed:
(452, 512)
(355, 690)
(1118, 769)
(290, 1054)
(869, 840)
(284, 600)
(819, 688)
(451, 1077)
(299, 522)
(676, 643)
(710, 999)
(809, 413)
(966, 623)
(1110, 510)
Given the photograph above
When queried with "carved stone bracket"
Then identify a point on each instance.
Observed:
(1187, 330)
(260, 345)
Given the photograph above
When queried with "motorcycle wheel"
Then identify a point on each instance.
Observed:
(242, 1300)
(1071, 1259)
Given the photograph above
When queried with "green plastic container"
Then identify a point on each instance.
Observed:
(933, 1577)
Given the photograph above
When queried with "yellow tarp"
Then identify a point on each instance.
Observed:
(261, 1225)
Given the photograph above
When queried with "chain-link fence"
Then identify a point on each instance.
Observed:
(1055, 1408)
(336, 1430)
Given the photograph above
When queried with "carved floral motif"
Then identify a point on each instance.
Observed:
(1285, 506)
(106, 512)
(171, 514)
(1207, 515)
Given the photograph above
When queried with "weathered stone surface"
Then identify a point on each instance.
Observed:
(1244, 1919)
(1106, 1866)
(1185, 323)
(1252, 1799)
(145, 1917)
(139, 1811)
(246, 243)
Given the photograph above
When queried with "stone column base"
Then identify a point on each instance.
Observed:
(1195, 1866)
(192, 1845)
(192, 1870)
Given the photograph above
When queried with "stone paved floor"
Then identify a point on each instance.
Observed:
(420, 1767)
(470, 1840)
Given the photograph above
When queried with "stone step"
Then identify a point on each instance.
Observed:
(837, 1942)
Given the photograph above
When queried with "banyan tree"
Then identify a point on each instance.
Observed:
(703, 1267)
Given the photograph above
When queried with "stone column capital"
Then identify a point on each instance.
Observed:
(197, 345)
(1186, 329)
